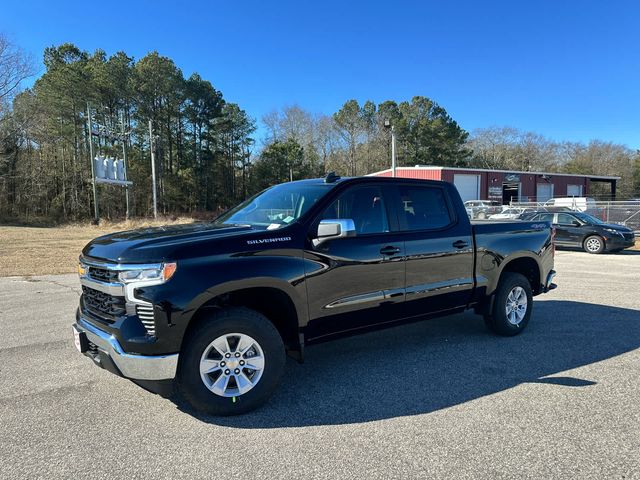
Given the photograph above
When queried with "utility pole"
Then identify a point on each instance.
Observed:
(387, 124)
(393, 151)
(153, 170)
(124, 159)
(93, 173)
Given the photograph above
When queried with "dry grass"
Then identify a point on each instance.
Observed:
(27, 251)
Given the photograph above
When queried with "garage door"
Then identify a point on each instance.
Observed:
(544, 192)
(574, 190)
(468, 186)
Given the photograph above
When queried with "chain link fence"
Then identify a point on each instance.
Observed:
(622, 213)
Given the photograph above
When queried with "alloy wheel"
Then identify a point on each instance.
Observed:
(516, 307)
(593, 245)
(232, 365)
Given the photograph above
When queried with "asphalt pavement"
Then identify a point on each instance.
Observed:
(435, 399)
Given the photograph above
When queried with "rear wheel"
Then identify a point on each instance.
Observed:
(231, 363)
(482, 216)
(593, 244)
(512, 305)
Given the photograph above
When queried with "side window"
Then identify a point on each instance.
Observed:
(423, 208)
(564, 219)
(545, 217)
(364, 205)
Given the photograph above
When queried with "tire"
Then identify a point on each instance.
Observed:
(232, 330)
(593, 244)
(502, 322)
(481, 216)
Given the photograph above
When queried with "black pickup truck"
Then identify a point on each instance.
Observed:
(215, 307)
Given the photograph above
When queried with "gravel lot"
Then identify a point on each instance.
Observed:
(438, 399)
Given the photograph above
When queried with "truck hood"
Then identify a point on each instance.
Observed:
(156, 244)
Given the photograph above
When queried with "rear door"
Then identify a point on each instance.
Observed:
(358, 281)
(438, 248)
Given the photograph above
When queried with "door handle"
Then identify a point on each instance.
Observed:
(460, 244)
(389, 250)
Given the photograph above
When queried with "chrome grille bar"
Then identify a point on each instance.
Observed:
(145, 314)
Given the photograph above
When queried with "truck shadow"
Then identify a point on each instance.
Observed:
(427, 366)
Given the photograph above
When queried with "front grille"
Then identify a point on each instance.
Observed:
(103, 275)
(145, 313)
(629, 236)
(108, 307)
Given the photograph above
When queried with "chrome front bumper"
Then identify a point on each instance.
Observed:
(136, 367)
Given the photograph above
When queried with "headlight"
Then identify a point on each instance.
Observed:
(162, 274)
(611, 230)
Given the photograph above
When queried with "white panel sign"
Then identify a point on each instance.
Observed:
(110, 170)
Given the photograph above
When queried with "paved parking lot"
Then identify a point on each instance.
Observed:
(437, 399)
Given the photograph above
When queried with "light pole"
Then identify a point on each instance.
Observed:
(93, 173)
(124, 160)
(387, 124)
(153, 170)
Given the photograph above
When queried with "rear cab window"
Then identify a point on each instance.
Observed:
(423, 208)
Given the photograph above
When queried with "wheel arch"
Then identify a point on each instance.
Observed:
(527, 266)
(594, 234)
(525, 263)
(274, 299)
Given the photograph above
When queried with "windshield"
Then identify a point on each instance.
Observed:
(588, 218)
(275, 207)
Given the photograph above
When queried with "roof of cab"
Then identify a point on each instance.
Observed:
(365, 179)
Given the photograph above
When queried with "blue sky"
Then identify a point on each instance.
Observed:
(567, 69)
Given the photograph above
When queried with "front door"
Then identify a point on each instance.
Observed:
(358, 281)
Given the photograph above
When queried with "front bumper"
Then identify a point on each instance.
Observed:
(616, 242)
(106, 352)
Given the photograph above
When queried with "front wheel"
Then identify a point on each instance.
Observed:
(593, 244)
(232, 362)
(512, 305)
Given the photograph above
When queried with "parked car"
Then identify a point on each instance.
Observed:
(481, 209)
(215, 306)
(578, 229)
(528, 215)
(510, 213)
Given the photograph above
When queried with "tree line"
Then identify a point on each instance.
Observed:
(207, 156)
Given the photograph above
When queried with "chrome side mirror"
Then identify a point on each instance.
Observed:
(334, 228)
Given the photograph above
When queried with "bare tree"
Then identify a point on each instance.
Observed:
(15, 66)
(271, 121)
